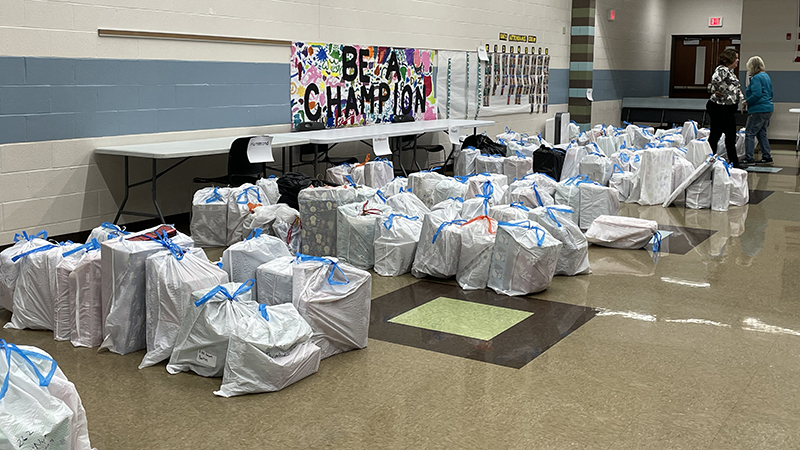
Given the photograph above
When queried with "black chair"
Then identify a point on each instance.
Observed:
(240, 169)
(311, 154)
(406, 143)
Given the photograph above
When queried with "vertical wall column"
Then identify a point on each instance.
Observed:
(581, 60)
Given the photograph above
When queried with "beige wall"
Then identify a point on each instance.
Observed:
(61, 186)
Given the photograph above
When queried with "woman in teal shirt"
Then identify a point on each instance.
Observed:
(759, 108)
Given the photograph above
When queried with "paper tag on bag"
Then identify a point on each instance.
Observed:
(206, 358)
(482, 55)
(380, 145)
(453, 133)
(260, 149)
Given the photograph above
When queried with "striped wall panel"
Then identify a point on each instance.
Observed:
(581, 61)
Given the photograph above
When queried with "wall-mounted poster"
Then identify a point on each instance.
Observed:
(350, 85)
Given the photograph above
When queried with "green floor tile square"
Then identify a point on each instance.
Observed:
(473, 320)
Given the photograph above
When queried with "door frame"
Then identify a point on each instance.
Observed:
(692, 36)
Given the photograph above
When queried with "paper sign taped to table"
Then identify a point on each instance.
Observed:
(259, 149)
(482, 55)
(453, 133)
(380, 145)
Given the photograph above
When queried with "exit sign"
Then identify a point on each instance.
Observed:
(715, 21)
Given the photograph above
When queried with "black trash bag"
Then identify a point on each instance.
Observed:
(549, 161)
(485, 144)
(291, 183)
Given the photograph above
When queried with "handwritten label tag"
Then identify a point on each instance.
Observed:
(380, 145)
(260, 149)
(453, 133)
(206, 358)
(482, 55)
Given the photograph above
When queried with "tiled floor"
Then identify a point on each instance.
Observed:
(695, 348)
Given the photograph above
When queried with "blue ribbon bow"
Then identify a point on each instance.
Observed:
(163, 239)
(389, 222)
(550, 210)
(214, 197)
(334, 267)
(262, 309)
(520, 206)
(89, 246)
(18, 237)
(44, 380)
(254, 234)
(441, 227)
(220, 289)
(540, 233)
(246, 195)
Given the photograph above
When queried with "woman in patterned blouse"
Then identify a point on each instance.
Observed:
(723, 104)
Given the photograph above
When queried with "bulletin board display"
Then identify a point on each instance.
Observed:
(351, 85)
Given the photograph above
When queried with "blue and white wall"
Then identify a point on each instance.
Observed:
(65, 91)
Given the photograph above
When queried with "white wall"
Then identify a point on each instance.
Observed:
(764, 29)
(61, 186)
(688, 17)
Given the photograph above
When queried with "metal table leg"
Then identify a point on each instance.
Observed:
(797, 145)
(153, 180)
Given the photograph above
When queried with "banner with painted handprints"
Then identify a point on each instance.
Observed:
(350, 85)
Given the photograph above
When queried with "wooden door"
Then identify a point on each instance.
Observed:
(694, 59)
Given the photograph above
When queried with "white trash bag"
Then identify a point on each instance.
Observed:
(355, 235)
(396, 244)
(242, 259)
(623, 232)
(9, 270)
(39, 407)
(335, 300)
(85, 291)
(242, 201)
(509, 213)
(338, 174)
(450, 187)
(63, 297)
(378, 173)
(209, 224)
(269, 186)
(407, 203)
(124, 285)
(517, 166)
(439, 246)
(574, 256)
(106, 231)
(202, 342)
(475, 256)
(740, 192)
(721, 186)
(274, 281)
(423, 183)
(172, 276)
(489, 163)
(394, 187)
(524, 259)
(269, 351)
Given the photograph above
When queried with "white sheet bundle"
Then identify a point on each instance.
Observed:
(334, 298)
(172, 276)
(396, 241)
(524, 259)
(573, 259)
(621, 232)
(475, 256)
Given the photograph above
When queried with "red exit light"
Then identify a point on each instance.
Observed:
(715, 21)
(612, 14)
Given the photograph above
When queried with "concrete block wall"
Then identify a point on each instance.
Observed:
(65, 91)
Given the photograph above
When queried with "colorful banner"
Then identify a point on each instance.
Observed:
(350, 85)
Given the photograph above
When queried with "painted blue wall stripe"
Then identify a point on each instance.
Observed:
(616, 84)
(581, 66)
(577, 93)
(583, 31)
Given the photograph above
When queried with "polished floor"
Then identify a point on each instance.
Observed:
(695, 348)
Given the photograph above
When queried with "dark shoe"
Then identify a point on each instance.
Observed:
(765, 161)
(747, 161)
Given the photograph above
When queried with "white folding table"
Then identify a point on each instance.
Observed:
(797, 144)
(178, 149)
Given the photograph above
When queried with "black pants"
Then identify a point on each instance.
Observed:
(723, 122)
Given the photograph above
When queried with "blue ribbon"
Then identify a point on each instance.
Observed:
(163, 239)
(350, 179)
(335, 266)
(246, 195)
(536, 192)
(383, 160)
(215, 196)
(18, 237)
(441, 227)
(458, 199)
(657, 242)
(406, 190)
(390, 220)
(272, 177)
(89, 246)
(262, 309)
(380, 195)
(550, 210)
(431, 169)
(540, 233)
(624, 158)
(220, 289)
(254, 234)
(37, 249)
(461, 179)
(488, 190)
(618, 169)
(520, 206)
(44, 380)
(519, 154)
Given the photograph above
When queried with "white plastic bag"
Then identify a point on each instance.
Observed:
(338, 174)
(355, 236)
(450, 187)
(489, 163)
(394, 187)
(63, 298)
(595, 201)
(209, 224)
(721, 186)
(106, 231)
(597, 167)
(124, 285)
(509, 213)
(524, 259)
(621, 232)
(465, 161)
(488, 186)
(396, 244)
(241, 203)
(9, 270)
(378, 173)
(655, 176)
(266, 216)
(532, 196)
(243, 258)
(335, 300)
(698, 194)
(423, 184)
(172, 276)
(573, 259)
(439, 246)
(274, 281)
(407, 203)
(269, 351)
(681, 170)
(517, 166)
(39, 407)
(202, 342)
(475, 256)
(85, 290)
(269, 186)
(740, 192)
(572, 160)
(697, 151)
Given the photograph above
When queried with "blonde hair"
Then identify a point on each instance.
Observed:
(755, 65)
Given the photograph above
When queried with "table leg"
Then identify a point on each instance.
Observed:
(797, 145)
(154, 189)
(127, 192)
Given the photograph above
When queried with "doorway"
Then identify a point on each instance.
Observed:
(694, 59)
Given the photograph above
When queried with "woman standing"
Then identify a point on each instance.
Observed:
(723, 104)
(759, 110)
